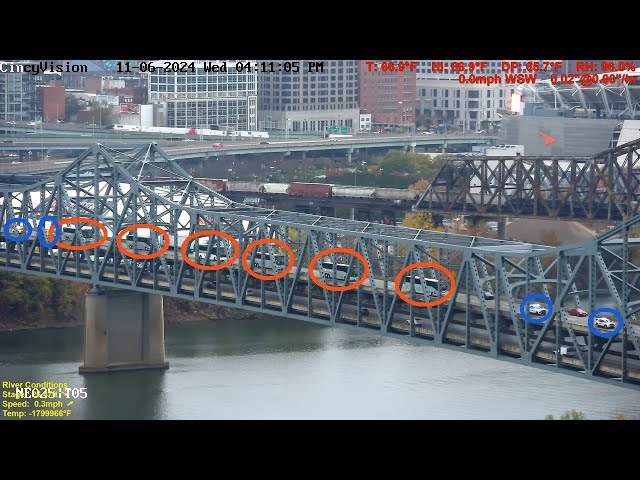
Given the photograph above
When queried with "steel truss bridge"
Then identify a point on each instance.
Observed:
(119, 189)
(603, 187)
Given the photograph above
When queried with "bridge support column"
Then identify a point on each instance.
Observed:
(502, 228)
(123, 331)
(349, 156)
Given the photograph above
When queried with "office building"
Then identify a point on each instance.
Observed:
(205, 99)
(313, 99)
(18, 97)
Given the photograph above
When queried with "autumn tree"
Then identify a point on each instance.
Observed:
(28, 300)
(420, 185)
(421, 220)
(568, 415)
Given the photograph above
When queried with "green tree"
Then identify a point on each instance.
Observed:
(71, 107)
(396, 162)
(101, 115)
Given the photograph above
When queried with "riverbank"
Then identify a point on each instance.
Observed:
(6, 326)
(173, 314)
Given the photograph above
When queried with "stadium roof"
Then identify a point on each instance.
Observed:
(619, 99)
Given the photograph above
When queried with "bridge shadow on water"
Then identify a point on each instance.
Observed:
(260, 335)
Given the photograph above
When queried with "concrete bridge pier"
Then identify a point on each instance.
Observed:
(502, 228)
(123, 331)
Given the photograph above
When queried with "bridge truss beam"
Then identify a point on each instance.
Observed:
(605, 186)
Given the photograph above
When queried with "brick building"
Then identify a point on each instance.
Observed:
(52, 101)
(389, 97)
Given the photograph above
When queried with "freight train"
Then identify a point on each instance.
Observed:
(317, 190)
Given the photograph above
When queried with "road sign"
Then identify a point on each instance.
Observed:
(333, 129)
(345, 130)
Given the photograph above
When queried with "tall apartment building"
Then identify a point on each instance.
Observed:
(18, 96)
(389, 96)
(305, 101)
(441, 96)
(206, 99)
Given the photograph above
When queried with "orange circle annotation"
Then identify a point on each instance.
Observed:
(415, 303)
(345, 288)
(251, 246)
(66, 246)
(212, 233)
(150, 226)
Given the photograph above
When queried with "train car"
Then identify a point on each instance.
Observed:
(216, 184)
(275, 188)
(397, 194)
(353, 192)
(253, 187)
(310, 189)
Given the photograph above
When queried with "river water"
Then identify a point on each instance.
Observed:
(271, 368)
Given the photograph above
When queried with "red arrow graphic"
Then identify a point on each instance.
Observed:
(548, 139)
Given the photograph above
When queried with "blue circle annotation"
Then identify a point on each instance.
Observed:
(17, 220)
(611, 311)
(535, 296)
(56, 236)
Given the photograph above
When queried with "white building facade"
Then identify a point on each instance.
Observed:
(195, 97)
(441, 95)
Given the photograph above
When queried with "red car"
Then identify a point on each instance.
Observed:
(216, 145)
(577, 312)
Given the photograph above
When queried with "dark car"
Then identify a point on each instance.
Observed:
(576, 312)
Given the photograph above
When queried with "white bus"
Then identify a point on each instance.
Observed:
(268, 262)
(430, 284)
(327, 269)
